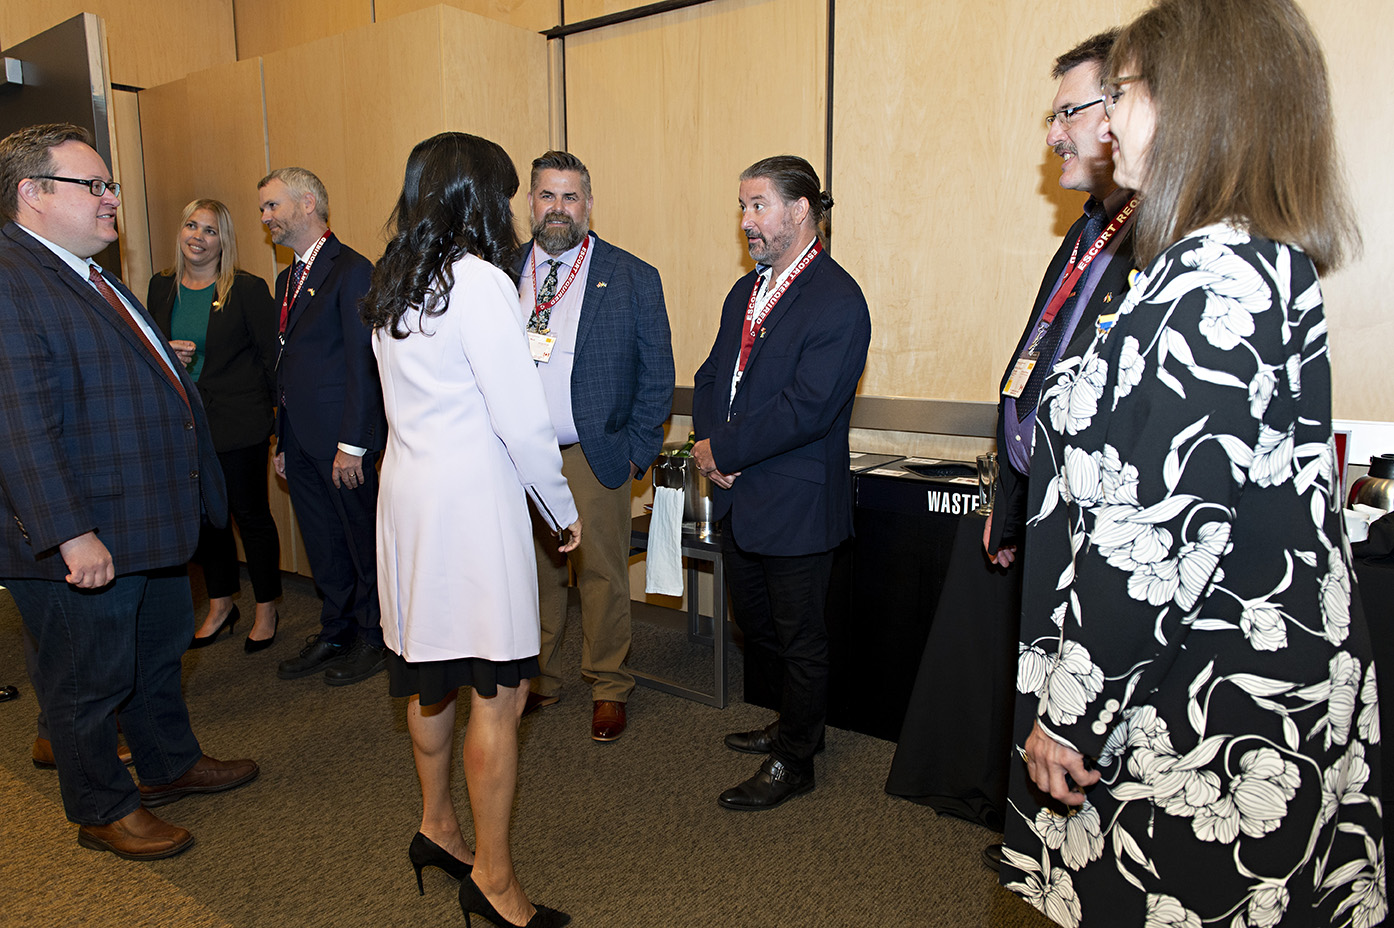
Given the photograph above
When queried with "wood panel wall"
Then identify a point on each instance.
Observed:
(348, 107)
(667, 111)
(151, 42)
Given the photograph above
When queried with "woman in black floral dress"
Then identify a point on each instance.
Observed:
(1196, 692)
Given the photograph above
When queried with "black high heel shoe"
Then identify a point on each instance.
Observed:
(253, 645)
(228, 622)
(426, 853)
(472, 899)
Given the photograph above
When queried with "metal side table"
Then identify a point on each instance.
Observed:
(712, 629)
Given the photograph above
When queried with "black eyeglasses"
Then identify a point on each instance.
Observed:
(1113, 89)
(98, 187)
(1070, 112)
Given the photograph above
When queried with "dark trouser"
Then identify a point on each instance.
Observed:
(244, 469)
(101, 652)
(340, 531)
(779, 604)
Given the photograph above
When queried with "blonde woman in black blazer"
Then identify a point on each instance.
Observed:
(222, 323)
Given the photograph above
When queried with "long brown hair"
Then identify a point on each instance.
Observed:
(227, 241)
(1244, 127)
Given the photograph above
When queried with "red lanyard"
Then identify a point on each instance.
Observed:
(540, 308)
(1067, 285)
(288, 300)
(752, 320)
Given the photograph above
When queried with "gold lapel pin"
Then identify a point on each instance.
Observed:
(312, 291)
(1108, 297)
(599, 284)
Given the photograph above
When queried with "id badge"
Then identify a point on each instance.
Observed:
(1021, 372)
(541, 346)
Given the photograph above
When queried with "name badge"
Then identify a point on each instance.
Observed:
(1021, 372)
(541, 346)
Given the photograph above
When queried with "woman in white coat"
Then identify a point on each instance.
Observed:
(469, 441)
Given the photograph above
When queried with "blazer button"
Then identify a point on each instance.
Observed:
(189, 425)
(193, 475)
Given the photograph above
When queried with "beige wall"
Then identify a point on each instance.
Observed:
(666, 112)
(941, 158)
(151, 42)
(348, 107)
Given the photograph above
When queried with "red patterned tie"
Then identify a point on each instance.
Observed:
(110, 296)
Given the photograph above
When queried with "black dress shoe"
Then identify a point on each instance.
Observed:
(767, 789)
(317, 655)
(362, 661)
(761, 740)
(992, 857)
(8, 692)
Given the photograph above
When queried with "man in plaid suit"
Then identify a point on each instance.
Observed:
(106, 471)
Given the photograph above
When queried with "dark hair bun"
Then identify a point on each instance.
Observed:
(826, 200)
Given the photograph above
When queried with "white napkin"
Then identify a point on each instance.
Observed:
(663, 573)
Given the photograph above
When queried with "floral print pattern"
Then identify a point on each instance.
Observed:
(1187, 615)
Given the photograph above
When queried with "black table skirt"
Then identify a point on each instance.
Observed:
(954, 749)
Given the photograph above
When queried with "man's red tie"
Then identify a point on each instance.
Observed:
(110, 296)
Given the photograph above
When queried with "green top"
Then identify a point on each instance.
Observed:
(189, 321)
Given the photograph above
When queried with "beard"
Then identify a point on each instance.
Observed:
(557, 240)
(765, 251)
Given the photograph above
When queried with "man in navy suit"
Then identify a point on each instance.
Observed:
(107, 469)
(599, 334)
(329, 425)
(772, 406)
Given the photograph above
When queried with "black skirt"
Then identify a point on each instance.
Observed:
(433, 681)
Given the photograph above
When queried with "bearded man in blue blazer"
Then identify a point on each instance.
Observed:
(772, 407)
(330, 425)
(107, 469)
(599, 333)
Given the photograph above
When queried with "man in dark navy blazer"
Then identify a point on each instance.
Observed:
(772, 406)
(107, 470)
(599, 332)
(330, 425)
(1086, 164)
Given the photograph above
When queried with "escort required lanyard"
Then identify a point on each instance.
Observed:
(753, 320)
(1076, 271)
(556, 298)
(288, 300)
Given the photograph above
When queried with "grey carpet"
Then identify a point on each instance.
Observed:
(619, 835)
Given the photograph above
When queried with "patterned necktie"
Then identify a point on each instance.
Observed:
(543, 314)
(1050, 341)
(110, 296)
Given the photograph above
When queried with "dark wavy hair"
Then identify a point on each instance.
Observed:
(455, 201)
(793, 178)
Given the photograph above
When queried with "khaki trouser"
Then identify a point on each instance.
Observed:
(602, 577)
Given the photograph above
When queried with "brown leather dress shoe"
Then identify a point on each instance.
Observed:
(207, 775)
(607, 721)
(138, 836)
(42, 754)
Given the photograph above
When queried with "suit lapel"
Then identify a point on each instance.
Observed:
(84, 290)
(602, 261)
(314, 280)
(782, 308)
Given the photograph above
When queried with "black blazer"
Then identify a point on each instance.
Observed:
(787, 428)
(1009, 502)
(239, 365)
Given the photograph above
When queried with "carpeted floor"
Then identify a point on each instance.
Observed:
(621, 835)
